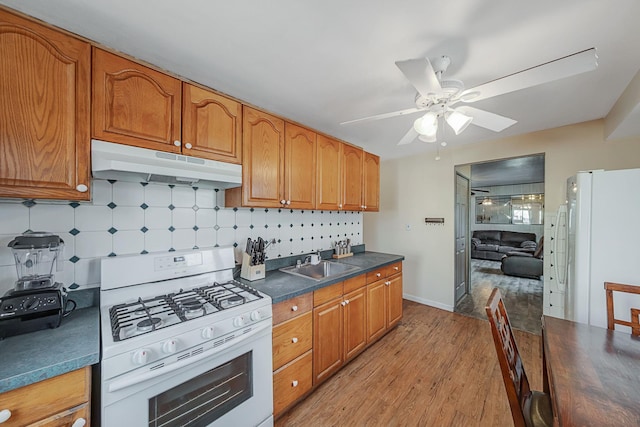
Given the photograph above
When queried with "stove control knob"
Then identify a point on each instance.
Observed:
(207, 332)
(169, 346)
(140, 357)
(255, 315)
(238, 321)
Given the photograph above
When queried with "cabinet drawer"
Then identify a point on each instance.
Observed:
(292, 307)
(327, 293)
(291, 339)
(66, 418)
(377, 274)
(394, 268)
(354, 283)
(292, 382)
(52, 396)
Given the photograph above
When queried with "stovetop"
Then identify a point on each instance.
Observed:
(146, 315)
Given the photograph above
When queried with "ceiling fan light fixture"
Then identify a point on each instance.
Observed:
(427, 124)
(427, 138)
(458, 121)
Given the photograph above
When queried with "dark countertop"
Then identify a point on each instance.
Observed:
(36, 356)
(283, 286)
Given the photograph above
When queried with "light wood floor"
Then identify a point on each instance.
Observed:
(434, 369)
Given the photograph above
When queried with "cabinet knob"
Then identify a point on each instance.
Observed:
(288, 202)
(188, 145)
(283, 202)
(347, 301)
(294, 340)
(340, 205)
(82, 188)
(396, 268)
(294, 383)
(294, 308)
(177, 143)
(378, 274)
(5, 414)
(365, 206)
(387, 283)
(80, 422)
(343, 303)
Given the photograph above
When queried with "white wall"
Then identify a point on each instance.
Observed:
(416, 187)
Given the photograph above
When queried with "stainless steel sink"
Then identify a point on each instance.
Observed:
(322, 270)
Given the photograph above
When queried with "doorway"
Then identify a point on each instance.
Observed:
(505, 201)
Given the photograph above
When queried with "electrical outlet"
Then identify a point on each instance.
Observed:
(407, 227)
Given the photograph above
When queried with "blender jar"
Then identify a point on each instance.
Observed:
(35, 254)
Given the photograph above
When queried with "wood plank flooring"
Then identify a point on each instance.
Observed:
(522, 296)
(435, 369)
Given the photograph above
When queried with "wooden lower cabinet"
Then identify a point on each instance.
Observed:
(292, 354)
(376, 310)
(315, 334)
(328, 339)
(57, 401)
(355, 323)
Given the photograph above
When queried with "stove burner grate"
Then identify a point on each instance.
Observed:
(143, 316)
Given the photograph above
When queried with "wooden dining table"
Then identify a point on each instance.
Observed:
(591, 373)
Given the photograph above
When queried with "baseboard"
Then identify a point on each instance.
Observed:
(428, 302)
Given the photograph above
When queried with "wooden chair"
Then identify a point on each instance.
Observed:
(528, 408)
(634, 324)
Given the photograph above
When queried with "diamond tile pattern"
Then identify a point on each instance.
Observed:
(139, 219)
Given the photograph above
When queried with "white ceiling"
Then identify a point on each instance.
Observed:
(324, 62)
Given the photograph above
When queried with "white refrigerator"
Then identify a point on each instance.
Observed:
(603, 243)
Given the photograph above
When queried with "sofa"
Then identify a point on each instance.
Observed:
(523, 264)
(494, 244)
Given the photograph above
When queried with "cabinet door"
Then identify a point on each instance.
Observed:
(291, 339)
(376, 310)
(299, 169)
(211, 125)
(394, 300)
(44, 112)
(328, 178)
(327, 339)
(262, 159)
(355, 322)
(135, 105)
(291, 382)
(371, 182)
(352, 178)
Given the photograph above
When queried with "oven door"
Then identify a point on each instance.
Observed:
(230, 387)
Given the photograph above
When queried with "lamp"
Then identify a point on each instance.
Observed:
(427, 138)
(427, 124)
(457, 121)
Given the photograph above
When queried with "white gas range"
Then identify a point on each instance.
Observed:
(183, 344)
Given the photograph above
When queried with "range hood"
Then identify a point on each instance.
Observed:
(126, 163)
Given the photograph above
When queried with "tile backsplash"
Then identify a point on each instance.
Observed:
(134, 218)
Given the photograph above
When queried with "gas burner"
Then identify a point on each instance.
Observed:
(147, 325)
(191, 306)
(231, 301)
(140, 312)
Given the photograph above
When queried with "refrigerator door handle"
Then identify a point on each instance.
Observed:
(559, 248)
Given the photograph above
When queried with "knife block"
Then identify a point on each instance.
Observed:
(251, 272)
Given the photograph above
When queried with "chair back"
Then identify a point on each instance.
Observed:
(634, 324)
(515, 379)
(539, 249)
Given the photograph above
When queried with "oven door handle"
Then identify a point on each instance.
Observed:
(132, 380)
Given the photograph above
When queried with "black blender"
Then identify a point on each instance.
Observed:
(37, 301)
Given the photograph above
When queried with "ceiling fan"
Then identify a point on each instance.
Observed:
(438, 97)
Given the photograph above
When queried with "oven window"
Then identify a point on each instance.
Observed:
(205, 398)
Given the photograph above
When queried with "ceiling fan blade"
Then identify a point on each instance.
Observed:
(421, 75)
(487, 120)
(408, 137)
(384, 116)
(571, 65)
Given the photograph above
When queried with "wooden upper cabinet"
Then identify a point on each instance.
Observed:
(371, 182)
(328, 175)
(135, 105)
(44, 112)
(211, 125)
(262, 159)
(299, 169)
(352, 178)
